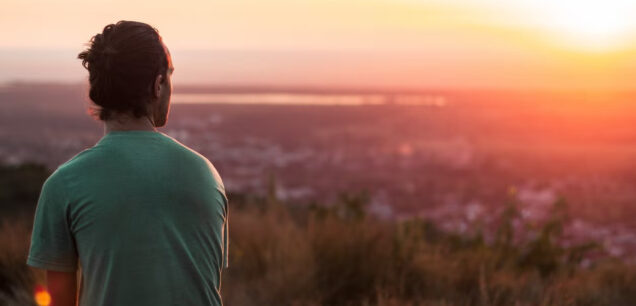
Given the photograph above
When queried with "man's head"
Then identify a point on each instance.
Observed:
(129, 71)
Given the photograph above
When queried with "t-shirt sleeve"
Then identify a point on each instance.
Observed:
(221, 189)
(52, 242)
(226, 229)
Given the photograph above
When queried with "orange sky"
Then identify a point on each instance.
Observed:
(381, 43)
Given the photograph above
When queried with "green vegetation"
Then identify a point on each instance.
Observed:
(19, 190)
(334, 254)
(20, 187)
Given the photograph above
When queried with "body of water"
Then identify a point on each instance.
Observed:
(309, 99)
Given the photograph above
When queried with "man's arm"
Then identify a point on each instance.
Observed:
(62, 287)
(53, 244)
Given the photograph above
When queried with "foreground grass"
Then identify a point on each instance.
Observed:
(290, 254)
(339, 256)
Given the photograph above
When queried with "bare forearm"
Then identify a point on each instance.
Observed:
(63, 288)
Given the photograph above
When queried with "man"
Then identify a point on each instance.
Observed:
(144, 216)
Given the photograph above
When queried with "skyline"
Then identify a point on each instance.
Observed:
(421, 44)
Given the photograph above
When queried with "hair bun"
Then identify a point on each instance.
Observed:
(100, 52)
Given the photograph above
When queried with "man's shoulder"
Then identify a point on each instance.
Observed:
(85, 161)
(74, 162)
(185, 150)
(198, 158)
(88, 156)
(56, 183)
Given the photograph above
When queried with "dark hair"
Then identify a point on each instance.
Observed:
(123, 62)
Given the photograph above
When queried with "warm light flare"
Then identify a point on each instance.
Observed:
(42, 297)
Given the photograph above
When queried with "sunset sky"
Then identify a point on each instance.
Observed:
(367, 43)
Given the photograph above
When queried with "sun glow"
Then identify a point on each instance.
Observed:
(597, 25)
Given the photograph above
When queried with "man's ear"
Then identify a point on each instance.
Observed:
(156, 88)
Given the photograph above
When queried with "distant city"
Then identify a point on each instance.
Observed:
(452, 157)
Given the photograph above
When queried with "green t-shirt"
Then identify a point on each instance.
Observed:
(145, 218)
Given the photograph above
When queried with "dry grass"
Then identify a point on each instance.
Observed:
(16, 278)
(338, 256)
(327, 257)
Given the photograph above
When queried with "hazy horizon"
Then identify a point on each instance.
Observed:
(325, 68)
(408, 44)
